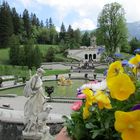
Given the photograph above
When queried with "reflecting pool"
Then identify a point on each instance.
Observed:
(59, 91)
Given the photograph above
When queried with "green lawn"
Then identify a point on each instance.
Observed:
(54, 72)
(44, 48)
(59, 91)
(4, 56)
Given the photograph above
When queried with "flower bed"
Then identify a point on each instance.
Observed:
(109, 110)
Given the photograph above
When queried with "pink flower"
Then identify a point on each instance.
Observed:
(76, 106)
(81, 96)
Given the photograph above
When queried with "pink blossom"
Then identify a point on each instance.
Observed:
(76, 106)
(81, 96)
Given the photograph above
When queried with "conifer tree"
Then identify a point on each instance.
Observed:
(29, 51)
(27, 23)
(62, 34)
(6, 25)
(37, 57)
(16, 22)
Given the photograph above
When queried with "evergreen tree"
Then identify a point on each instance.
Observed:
(34, 20)
(47, 23)
(29, 51)
(37, 57)
(77, 37)
(52, 35)
(50, 22)
(14, 50)
(16, 22)
(70, 41)
(50, 55)
(86, 39)
(6, 25)
(41, 23)
(27, 23)
(37, 22)
(62, 34)
(22, 56)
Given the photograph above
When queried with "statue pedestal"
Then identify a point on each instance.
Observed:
(38, 135)
(32, 135)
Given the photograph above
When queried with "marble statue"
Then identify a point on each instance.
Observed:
(36, 110)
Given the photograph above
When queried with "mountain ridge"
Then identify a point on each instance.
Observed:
(133, 30)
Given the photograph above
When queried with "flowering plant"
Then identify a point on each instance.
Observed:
(109, 110)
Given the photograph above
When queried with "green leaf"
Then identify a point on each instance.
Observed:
(89, 125)
(96, 133)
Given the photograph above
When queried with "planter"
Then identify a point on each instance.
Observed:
(63, 135)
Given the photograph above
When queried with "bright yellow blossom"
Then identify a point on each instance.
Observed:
(135, 60)
(89, 96)
(90, 99)
(86, 112)
(114, 69)
(102, 100)
(121, 87)
(128, 124)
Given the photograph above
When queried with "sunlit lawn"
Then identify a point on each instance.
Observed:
(59, 91)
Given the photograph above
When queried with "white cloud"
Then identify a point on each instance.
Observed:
(82, 7)
(86, 9)
(84, 24)
(90, 8)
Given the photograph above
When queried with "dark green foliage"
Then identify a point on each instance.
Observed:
(34, 20)
(27, 23)
(29, 53)
(28, 26)
(85, 39)
(21, 56)
(50, 55)
(26, 55)
(43, 37)
(14, 50)
(16, 22)
(6, 25)
(62, 33)
(72, 38)
(37, 57)
(134, 44)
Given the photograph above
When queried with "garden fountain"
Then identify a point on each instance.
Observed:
(64, 82)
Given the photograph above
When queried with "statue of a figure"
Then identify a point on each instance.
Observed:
(36, 109)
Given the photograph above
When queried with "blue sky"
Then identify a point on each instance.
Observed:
(81, 14)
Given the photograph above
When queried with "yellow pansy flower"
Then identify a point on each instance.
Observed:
(102, 100)
(121, 87)
(128, 124)
(114, 69)
(135, 60)
(86, 112)
(89, 96)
